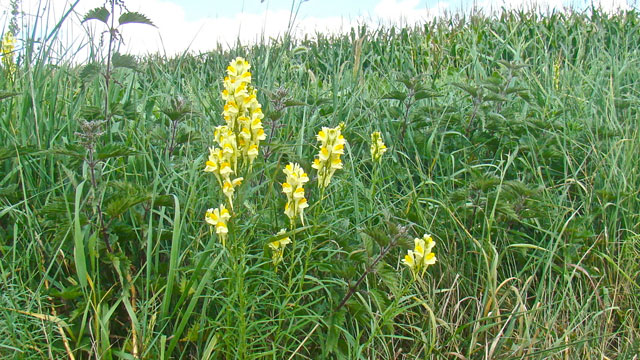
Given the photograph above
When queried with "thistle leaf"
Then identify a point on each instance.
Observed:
(99, 13)
(134, 18)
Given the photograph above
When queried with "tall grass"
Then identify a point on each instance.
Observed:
(513, 140)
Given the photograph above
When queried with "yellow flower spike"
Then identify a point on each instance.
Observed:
(378, 148)
(239, 139)
(293, 188)
(328, 159)
(8, 48)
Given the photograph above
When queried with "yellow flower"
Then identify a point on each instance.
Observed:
(293, 188)
(228, 188)
(277, 247)
(219, 217)
(328, 159)
(239, 139)
(377, 146)
(421, 256)
(242, 111)
(8, 49)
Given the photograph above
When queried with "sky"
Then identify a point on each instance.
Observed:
(200, 25)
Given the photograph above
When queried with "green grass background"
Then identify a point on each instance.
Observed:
(513, 140)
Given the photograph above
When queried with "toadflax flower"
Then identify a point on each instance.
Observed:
(219, 217)
(7, 52)
(238, 141)
(293, 188)
(277, 247)
(242, 111)
(421, 256)
(331, 148)
(377, 146)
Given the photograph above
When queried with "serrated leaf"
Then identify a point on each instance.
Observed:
(7, 152)
(395, 112)
(335, 323)
(99, 13)
(495, 97)
(90, 113)
(390, 278)
(473, 91)
(124, 61)
(378, 236)
(395, 95)
(90, 71)
(163, 200)
(7, 94)
(291, 103)
(425, 94)
(134, 18)
(72, 150)
(123, 201)
(114, 150)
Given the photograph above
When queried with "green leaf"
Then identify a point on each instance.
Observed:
(124, 61)
(118, 206)
(291, 103)
(8, 190)
(90, 71)
(7, 94)
(425, 94)
(395, 95)
(90, 113)
(99, 13)
(78, 240)
(335, 323)
(473, 91)
(7, 152)
(390, 278)
(75, 151)
(163, 200)
(134, 18)
(125, 197)
(114, 150)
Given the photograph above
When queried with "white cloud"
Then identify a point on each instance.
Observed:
(407, 11)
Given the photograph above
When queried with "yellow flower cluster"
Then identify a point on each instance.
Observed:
(421, 256)
(242, 111)
(239, 139)
(219, 218)
(328, 160)
(377, 146)
(277, 247)
(293, 188)
(8, 48)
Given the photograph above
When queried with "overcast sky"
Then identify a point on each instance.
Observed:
(199, 25)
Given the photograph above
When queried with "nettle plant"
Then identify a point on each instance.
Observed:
(106, 14)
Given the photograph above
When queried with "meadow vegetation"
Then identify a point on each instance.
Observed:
(149, 208)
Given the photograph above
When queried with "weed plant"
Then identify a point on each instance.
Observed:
(512, 140)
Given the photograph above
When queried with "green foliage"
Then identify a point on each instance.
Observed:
(512, 141)
(99, 13)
